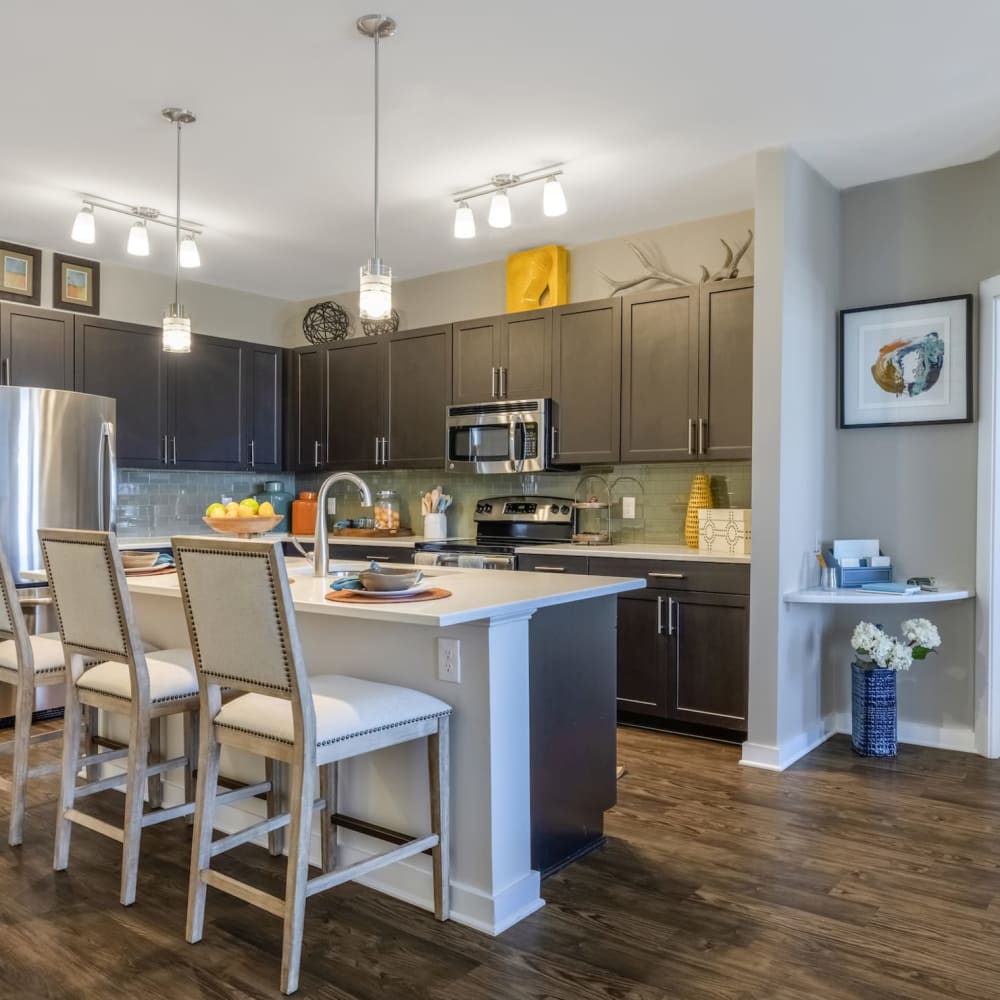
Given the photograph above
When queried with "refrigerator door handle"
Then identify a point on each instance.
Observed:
(107, 479)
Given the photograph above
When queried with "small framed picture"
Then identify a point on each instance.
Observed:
(76, 284)
(909, 363)
(20, 274)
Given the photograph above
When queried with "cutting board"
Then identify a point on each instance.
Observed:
(360, 597)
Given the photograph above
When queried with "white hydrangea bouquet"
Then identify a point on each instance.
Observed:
(874, 649)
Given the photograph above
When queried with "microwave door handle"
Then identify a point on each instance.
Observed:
(514, 427)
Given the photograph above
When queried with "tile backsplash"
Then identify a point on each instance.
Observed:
(158, 502)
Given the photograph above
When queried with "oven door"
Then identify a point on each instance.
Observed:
(498, 437)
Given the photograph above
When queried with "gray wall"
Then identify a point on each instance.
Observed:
(914, 488)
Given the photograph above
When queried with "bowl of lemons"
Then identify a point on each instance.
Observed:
(244, 519)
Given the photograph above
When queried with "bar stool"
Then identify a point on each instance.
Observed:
(96, 623)
(251, 643)
(27, 662)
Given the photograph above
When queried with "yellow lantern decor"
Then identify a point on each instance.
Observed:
(538, 277)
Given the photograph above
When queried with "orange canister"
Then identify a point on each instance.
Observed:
(304, 514)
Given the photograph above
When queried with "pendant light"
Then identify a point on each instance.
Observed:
(177, 326)
(84, 230)
(375, 299)
(138, 239)
(499, 217)
(465, 222)
(189, 255)
(553, 198)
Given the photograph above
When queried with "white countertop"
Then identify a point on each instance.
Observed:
(636, 550)
(476, 594)
(163, 541)
(855, 595)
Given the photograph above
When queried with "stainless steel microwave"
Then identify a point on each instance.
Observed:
(509, 436)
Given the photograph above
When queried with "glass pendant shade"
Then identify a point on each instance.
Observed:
(375, 300)
(138, 240)
(465, 222)
(189, 256)
(84, 230)
(176, 331)
(499, 217)
(553, 199)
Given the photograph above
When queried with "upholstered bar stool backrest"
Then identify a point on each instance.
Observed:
(12, 624)
(240, 616)
(89, 595)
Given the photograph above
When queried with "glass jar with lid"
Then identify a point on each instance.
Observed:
(387, 509)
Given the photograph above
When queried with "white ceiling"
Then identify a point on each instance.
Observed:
(656, 118)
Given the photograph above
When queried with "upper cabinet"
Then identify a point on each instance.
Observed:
(262, 381)
(725, 369)
(36, 347)
(354, 403)
(586, 382)
(305, 408)
(503, 357)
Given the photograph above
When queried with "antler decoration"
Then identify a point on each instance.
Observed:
(730, 268)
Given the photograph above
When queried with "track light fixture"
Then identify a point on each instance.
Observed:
(499, 217)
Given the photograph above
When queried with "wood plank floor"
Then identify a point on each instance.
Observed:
(843, 878)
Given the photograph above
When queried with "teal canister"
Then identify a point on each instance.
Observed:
(278, 497)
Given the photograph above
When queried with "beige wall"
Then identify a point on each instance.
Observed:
(480, 290)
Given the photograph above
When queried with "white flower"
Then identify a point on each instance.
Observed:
(920, 632)
(871, 644)
(900, 657)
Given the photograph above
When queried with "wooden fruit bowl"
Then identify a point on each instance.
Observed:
(243, 527)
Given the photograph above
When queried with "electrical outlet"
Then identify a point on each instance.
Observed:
(449, 661)
(331, 505)
(628, 508)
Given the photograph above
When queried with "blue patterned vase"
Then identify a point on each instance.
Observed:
(873, 711)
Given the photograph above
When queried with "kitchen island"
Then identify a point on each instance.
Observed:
(533, 731)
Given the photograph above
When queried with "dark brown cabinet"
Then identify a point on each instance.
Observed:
(725, 369)
(553, 564)
(262, 380)
(642, 673)
(586, 382)
(503, 357)
(36, 347)
(354, 403)
(305, 408)
(126, 361)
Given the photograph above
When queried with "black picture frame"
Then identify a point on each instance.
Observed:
(61, 266)
(33, 296)
(846, 413)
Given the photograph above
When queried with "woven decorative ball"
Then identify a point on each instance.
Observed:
(376, 327)
(700, 499)
(326, 321)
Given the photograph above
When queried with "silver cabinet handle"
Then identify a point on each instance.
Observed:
(666, 576)
(252, 459)
(701, 435)
(660, 605)
(503, 383)
(385, 451)
(174, 441)
(494, 390)
(550, 569)
(166, 461)
(382, 558)
(6, 372)
(376, 449)
(554, 442)
(690, 436)
(671, 604)
(316, 454)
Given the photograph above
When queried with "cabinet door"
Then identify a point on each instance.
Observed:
(709, 660)
(126, 362)
(262, 380)
(476, 358)
(586, 381)
(306, 413)
(36, 347)
(725, 367)
(642, 671)
(659, 375)
(205, 399)
(354, 403)
(526, 354)
(418, 388)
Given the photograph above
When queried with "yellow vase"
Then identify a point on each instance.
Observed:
(700, 499)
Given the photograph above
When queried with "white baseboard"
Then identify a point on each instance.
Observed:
(924, 734)
(777, 758)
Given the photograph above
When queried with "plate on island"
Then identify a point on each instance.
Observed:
(417, 588)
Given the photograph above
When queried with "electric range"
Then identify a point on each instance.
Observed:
(502, 525)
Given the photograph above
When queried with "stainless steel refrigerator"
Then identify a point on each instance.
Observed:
(57, 470)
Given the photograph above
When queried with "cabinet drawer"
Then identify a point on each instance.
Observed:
(554, 564)
(372, 551)
(716, 578)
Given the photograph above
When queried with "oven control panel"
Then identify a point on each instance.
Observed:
(558, 510)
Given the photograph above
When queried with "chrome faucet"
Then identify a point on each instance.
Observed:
(321, 540)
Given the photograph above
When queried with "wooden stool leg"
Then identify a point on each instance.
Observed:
(138, 754)
(329, 778)
(191, 757)
(72, 728)
(204, 814)
(22, 749)
(156, 744)
(438, 760)
(301, 788)
(275, 772)
(92, 719)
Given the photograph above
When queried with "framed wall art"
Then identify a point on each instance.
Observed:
(20, 274)
(76, 284)
(909, 363)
